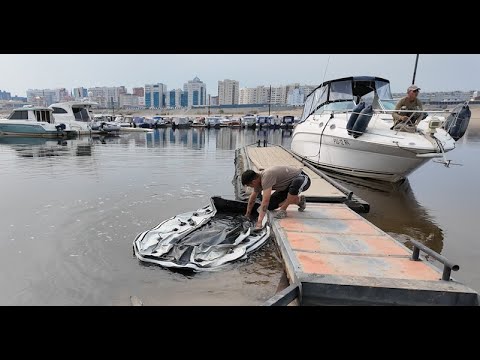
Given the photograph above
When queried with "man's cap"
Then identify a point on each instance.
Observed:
(413, 88)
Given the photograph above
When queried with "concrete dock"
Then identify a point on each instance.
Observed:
(333, 256)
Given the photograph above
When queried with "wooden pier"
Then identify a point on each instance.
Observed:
(332, 255)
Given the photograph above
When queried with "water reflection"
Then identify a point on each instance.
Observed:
(223, 138)
(43, 147)
(395, 210)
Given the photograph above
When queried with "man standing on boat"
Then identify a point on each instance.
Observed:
(409, 102)
(287, 181)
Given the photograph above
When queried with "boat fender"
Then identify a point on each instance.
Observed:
(362, 121)
(353, 117)
(458, 129)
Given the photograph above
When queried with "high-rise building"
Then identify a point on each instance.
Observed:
(155, 96)
(5, 95)
(296, 97)
(139, 91)
(173, 98)
(80, 93)
(214, 100)
(129, 101)
(196, 92)
(106, 97)
(46, 97)
(228, 92)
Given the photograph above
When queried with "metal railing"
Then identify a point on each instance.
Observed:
(448, 266)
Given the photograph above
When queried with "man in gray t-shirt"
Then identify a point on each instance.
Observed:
(287, 181)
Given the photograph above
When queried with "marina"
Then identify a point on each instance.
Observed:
(71, 242)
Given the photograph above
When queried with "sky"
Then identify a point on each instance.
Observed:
(442, 72)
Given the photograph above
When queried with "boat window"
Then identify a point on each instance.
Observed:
(47, 116)
(337, 106)
(314, 100)
(19, 115)
(81, 114)
(57, 110)
(341, 90)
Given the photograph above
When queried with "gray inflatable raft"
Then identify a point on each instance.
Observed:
(203, 240)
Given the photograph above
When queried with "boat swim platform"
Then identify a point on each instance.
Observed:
(333, 256)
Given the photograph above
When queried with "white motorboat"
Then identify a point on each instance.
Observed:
(76, 114)
(347, 126)
(34, 121)
(249, 121)
(105, 124)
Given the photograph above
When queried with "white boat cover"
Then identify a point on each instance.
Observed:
(203, 240)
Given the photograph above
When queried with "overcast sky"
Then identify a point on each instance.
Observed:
(44, 71)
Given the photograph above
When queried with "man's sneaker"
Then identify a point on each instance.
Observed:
(302, 204)
(280, 214)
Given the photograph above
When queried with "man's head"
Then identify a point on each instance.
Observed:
(250, 178)
(412, 91)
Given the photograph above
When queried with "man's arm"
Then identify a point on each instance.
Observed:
(396, 116)
(264, 206)
(251, 202)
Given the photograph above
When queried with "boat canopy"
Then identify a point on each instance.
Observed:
(349, 89)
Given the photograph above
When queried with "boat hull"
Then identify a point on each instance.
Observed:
(34, 130)
(387, 157)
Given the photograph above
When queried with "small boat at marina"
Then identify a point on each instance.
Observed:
(105, 124)
(76, 114)
(213, 122)
(249, 121)
(347, 127)
(35, 121)
(202, 240)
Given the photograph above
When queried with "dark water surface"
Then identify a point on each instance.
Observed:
(70, 212)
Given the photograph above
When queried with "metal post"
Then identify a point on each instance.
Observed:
(415, 70)
(269, 99)
(259, 143)
(446, 273)
(415, 253)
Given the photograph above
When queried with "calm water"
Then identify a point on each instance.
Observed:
(70, 212)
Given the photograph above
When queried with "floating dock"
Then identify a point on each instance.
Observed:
(333, 256)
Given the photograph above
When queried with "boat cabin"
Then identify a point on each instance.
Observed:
(32, 113)
(342, 95)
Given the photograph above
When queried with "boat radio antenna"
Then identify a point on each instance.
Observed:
(326, 67)
(415, 70)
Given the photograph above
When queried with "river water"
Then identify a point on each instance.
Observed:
(70, 211)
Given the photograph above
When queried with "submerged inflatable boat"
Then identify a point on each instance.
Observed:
(204, 239)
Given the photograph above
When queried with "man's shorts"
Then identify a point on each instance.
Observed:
(299, 184)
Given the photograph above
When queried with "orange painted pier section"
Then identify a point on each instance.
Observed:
(338, 257)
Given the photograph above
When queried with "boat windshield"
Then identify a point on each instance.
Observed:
(343, 94)
(379, 97)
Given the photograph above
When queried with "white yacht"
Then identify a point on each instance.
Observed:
(76, 114)
(347, 127)
(34, 121)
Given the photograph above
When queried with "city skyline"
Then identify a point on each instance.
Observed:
(443, 72)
